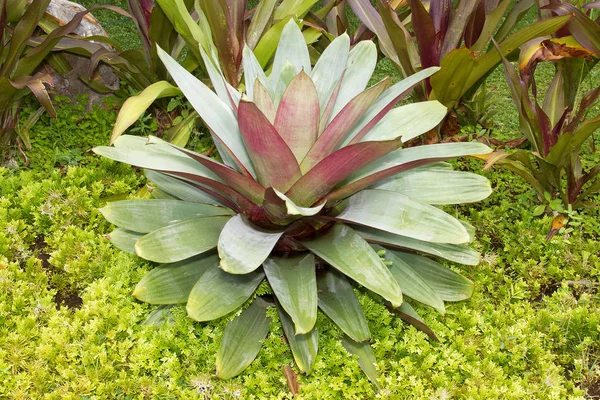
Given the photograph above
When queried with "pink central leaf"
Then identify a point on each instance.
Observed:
(275, 163)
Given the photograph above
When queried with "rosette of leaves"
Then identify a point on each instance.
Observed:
(316, 194)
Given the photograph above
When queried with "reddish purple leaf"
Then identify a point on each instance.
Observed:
(335, 168)
(245, 185)
(440, 14)
(273, 160)
(297, 118)
(330, 104)
(337, 130)
(425, 34)
(475, 25)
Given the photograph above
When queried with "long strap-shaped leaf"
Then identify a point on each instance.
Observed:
(344, 249)
(242, 340)
(304, 346)
(459, 253)
(218, 116)
(439, 187)
(297, 118)
(335, 168)
(179, 189)
(336, 131)
(366, 359)
(294, 282)
(449, 285)
(181, 240)
(338, 301)
(403, 160)
(410, 281)
(330, 67)
(395, 213)
(148, 215)
(218, 293)
(243, 247)
(275, 163)
(172, 283)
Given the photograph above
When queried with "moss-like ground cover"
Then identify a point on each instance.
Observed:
(69, 327)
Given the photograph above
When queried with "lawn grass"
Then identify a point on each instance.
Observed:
(70, 329)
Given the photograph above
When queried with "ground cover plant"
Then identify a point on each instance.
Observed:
(69, 327)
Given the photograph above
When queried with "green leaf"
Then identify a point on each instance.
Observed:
(438, 187)
(408, 121)
(410, 281)
(366, 359)
(342, 248)
(449, 285)
(451, 82)
(260, 22)
(294, 283)
(179, 189)
(409, 315)
(135, 106)
(395, 213)
(218, 116)
(294, 7)
(304, 346)
(291, 48)
(329, 68)
(124, 240)
(218, 293)
(243, 247)
(181, 240)
(172, 283)
(267, 45)
(360, 66)
(148, 215)
(459, 253)
(338, 301)
(242, 340)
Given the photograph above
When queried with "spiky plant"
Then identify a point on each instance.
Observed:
(314, 187)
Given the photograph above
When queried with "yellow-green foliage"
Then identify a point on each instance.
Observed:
(525, 334)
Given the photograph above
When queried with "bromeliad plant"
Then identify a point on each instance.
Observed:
(316, 192)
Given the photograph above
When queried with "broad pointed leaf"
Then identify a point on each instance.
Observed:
(304, 346)
(148, 215)
(319, 181)
(361, 64)
(410, 281)
(292, 48)
(337, 130)
(218, 293)
(172, 283)
(242, 340)
(408, 122)
(218, 116)
(395, 213)
(338, 301)
(385, 103)
(275, 163)
(124, 240)
(263, 101)
(297, 118)
(329, 68)
(181, 240)
(252, 72)
(459, 253)
(439, 186)
(243, 247)
(294, 283)
(342, 248)
(404, 160)
(449, 285)
(366, 359)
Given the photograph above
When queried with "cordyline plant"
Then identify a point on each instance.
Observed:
(316, 192)
(457, 38)
(560, 123)
(24, 48)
